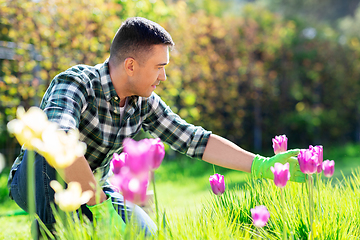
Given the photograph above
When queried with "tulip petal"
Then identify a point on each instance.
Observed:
(260, 216)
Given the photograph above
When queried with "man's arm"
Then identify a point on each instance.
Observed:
(222, 152)
(80, 172)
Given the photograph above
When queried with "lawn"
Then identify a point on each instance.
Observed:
(182, 187)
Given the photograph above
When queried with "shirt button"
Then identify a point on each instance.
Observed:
(116, 98)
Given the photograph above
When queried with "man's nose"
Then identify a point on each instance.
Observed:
(162, 75)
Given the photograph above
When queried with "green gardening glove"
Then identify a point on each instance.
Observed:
(104, 213)
(261, 165)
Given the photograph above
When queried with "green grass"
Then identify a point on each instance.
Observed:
(183, 184)
(11, 227)
(193, 212)
(336, 208)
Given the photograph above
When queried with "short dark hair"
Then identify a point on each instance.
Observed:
(135, 38)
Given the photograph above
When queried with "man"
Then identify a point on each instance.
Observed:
(114, 100)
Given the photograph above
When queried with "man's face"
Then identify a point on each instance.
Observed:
(149, 74)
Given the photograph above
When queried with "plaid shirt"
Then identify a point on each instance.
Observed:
(84, 97)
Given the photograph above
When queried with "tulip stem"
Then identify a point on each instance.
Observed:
(126, 213)
(156, 202)
(31, 190)
(318, 183)
(59, 173)
(311, 205)
(284, 214)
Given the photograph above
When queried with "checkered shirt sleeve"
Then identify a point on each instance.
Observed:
(64, 103)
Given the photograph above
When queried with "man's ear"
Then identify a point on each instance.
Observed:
(129, 65)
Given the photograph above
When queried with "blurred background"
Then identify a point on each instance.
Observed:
(246, 70)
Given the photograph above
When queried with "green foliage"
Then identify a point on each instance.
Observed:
(217, 8)
(321, 67)
(46, 30)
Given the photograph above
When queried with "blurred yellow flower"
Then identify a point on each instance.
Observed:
(28, 126)
(58, 147)
(72, 198)
(33, 130)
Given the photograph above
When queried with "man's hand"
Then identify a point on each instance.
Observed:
(104, 214)
(261, 165)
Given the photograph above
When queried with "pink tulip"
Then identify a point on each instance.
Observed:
(131, 168)
(281, 174)
(328, 167)
(134, 190)
(138, 160)
(260, 216)
(319, 150)
(319, 168)
(280, 144)
(158, 152)
(308, 161)
(217, 184)
(117, 162)
(132, 186)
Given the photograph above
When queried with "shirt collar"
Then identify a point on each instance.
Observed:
(107, 85)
